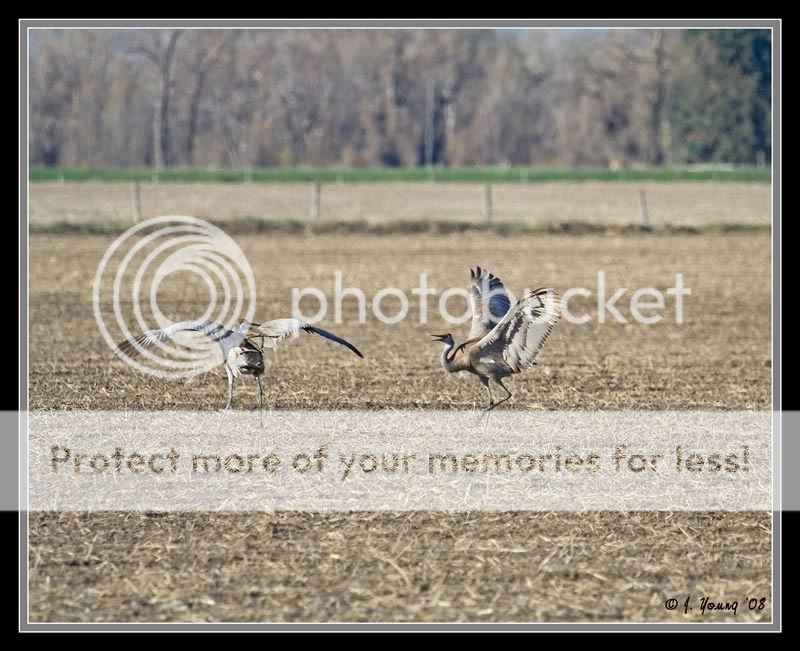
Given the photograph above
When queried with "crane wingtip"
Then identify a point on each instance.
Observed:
(354, 349)
(126, 348)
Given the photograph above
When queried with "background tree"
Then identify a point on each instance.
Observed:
(399, 97)
(720, 104)
(158, 46)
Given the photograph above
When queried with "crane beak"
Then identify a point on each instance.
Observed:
(438, 337)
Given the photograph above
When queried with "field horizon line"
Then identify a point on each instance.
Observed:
(255, 225)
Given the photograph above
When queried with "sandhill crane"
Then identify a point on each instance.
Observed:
(503, 340)
(240, 354)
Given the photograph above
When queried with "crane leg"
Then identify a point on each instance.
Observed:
(502, 400)
(230, 387)
(485, 382)
(260, 401)
(485, 412)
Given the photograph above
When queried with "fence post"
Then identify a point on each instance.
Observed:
(316, 192)
(136, 201)
(487, 201)
(643, 210)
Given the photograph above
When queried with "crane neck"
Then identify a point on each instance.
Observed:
(448, 361)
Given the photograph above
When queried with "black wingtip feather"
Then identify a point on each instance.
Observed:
(333, 337)
(130, 347)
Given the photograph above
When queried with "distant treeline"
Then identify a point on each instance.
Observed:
(399, 98)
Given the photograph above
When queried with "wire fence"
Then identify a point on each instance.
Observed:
(619, 203)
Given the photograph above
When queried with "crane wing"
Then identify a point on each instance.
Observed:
(279, 329)
(153, 338)
(489, 300)
(520, 335)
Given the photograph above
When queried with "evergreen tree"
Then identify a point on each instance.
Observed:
(720, 103)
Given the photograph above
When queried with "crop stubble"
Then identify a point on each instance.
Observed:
(417, 566)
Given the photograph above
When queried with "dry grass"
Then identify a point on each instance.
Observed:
(541, 204)
(374, 567)
(416, 566)
(718, 359)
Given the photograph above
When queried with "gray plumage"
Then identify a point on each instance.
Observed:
(503, 339)
(241, 355)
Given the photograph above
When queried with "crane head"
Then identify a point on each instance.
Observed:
(243, 325)
(445, 339)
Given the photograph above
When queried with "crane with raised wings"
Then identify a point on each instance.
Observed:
(504, 339)
(241, 355)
